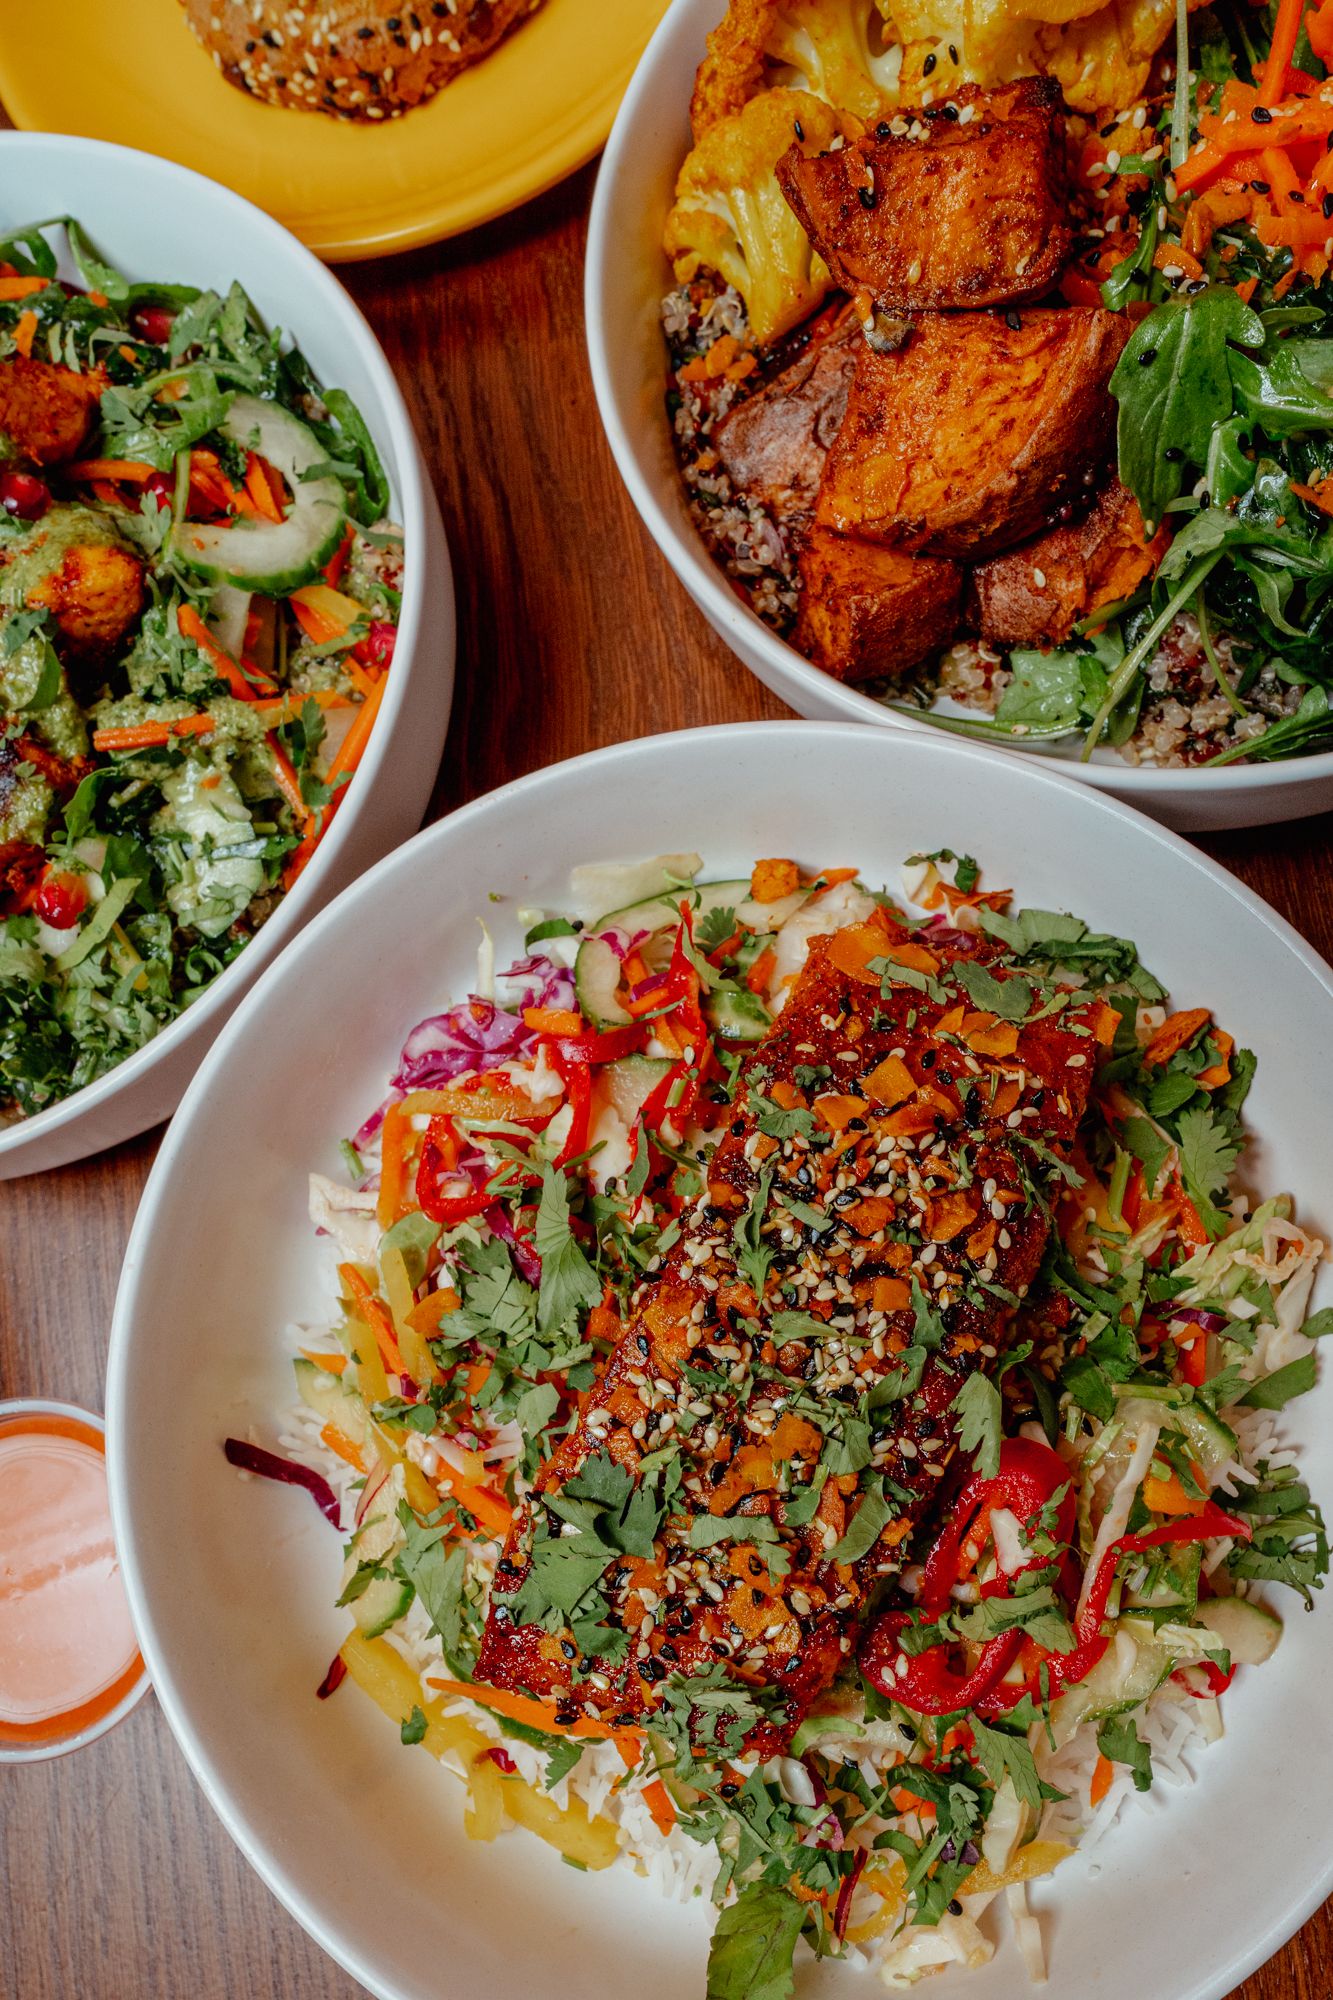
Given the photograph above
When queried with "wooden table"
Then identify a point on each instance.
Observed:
(118, 1883)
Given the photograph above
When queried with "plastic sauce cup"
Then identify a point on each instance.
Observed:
(69, 1661)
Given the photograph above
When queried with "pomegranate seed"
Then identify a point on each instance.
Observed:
(503, 1759)
(376, 649)
(61, 901)
(152, 323)
(161, 487)
(24, 495)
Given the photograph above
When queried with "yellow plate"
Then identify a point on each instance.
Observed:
(131, 71)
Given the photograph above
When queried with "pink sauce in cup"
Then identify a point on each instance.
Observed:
(68, 1654)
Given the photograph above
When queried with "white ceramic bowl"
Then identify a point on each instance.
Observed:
(152, 219)
(626, 278)
(233, 1583)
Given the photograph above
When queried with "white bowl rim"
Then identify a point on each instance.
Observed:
(416, 502)
(603, 269)
(46, 1752)
(252, 1843)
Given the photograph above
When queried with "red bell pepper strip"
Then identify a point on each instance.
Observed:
(926, 1682)
(441, 1149)
(1030, 1474)
(606, 1046)
(577, 1078)
(1131, 1205)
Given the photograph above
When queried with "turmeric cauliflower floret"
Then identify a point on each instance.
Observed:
(839, 50)
(731, 217)
(1100, 50)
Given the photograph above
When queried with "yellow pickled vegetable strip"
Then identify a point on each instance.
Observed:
(411, 1343)
(1039, 1857)
(887, 1884)
(591, 1842)
(485, 1811)
(385, 1676)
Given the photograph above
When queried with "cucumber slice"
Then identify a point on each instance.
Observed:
(274, 557)
(631, 1081)
(378, 1540)
(1249, 1633)
(331, 1402)
(1211, 1444)
(1133, 1666)
(737, 1015)
(228, 616)
(596, 967)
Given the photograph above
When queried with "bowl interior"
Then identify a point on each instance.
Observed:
(233, 1581)
(151, 219)
(626, 279)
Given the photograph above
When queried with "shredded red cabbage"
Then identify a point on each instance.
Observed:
(1211, 1322)
(525, 1257)
(622, 943)
(268, 1465)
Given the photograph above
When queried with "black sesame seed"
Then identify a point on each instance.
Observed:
(270, 38)
(1205, 499)
(953, 53)
(394, 23)
(955, 1907)
(362, 35)
(727, 1791)
(685, 1619)
(569, 1649)
(929, 64)
(737, 1127)
(716, 1474)
(624, 1719)
(250, 47)
(1173, 454)
(400, 41)
(1107, 130)
(929, 1058)
(883, 130)
(1148, 356)
(641, 1342)
(1014, 322)
(1327, 205)
(1295, 194)
(798, 128)
(1262, 115)
(866, 196)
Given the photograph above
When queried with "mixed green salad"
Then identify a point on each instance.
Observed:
(199, 597)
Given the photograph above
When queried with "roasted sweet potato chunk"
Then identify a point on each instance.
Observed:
(867, 611)
(1034, 596)
(46, 412)
(963, 207)
(773, 445)
(977, 433)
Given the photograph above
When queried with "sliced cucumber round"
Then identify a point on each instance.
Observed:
(1249, 1632)
(737, 1014)
(1211, 1444)
(331, 1402)
(1131, 1668)
(385, 1598)
(273, 557)
(597, 970)
(631, 1081)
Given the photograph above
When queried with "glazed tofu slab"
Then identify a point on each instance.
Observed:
(783, 1402)
(977, 432)
(964, 205)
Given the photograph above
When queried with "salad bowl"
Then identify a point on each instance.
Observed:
(232, 1583)
(627, 277)
(155, 220)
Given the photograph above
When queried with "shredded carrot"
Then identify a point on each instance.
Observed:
(1168, 1496)
(1282, 48)
(21, 288)
(332, 1364)
(193, 627)
(660, 1804)
(342, 1447)
(347, 759)
(288, 783)
(1101, 1780)
(25, 331)
(479, 1501)
(282, 707)
(129, 471)
(1175, 1033)
(152, 735)
(1191, 1222)
(553, 1020)
(761, 971)
(538, 1714)
(396, 1135)
(375, 1314)
(261, 485)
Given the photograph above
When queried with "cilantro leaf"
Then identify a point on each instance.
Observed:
(865, 1527)
(564, 1754)
(714, 927)
(1010, 999)
(1207, 1155)
(754, 1944)
(979, 1422)
(413, 1727)
(568, 1280)
(435, 1575)
(1119, 1740)
(753, 1256)
(707, 1530)
(1004, 1753)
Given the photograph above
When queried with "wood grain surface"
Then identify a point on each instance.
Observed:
(116, 1880)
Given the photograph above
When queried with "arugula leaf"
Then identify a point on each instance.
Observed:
(980, 1419)
(1119, 1740)
(568, 1280)
(754, 1944)
(1273, 1392)
(872, 1516)
(1173, 384)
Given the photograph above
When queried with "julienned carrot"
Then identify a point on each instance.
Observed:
(152, 735)
(22, 288)
(539, 1714)
(25, 332)
(193, 627)
(1282, 48)
(553, 1020)
(259, 485)
(660, 1804)
(332, 1364)
(349, 756)
(342, 1447)
(288, 782)
(283, 707)
(480, 1503)
(376, 1316)
(130, 471)
(1101, 1780)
